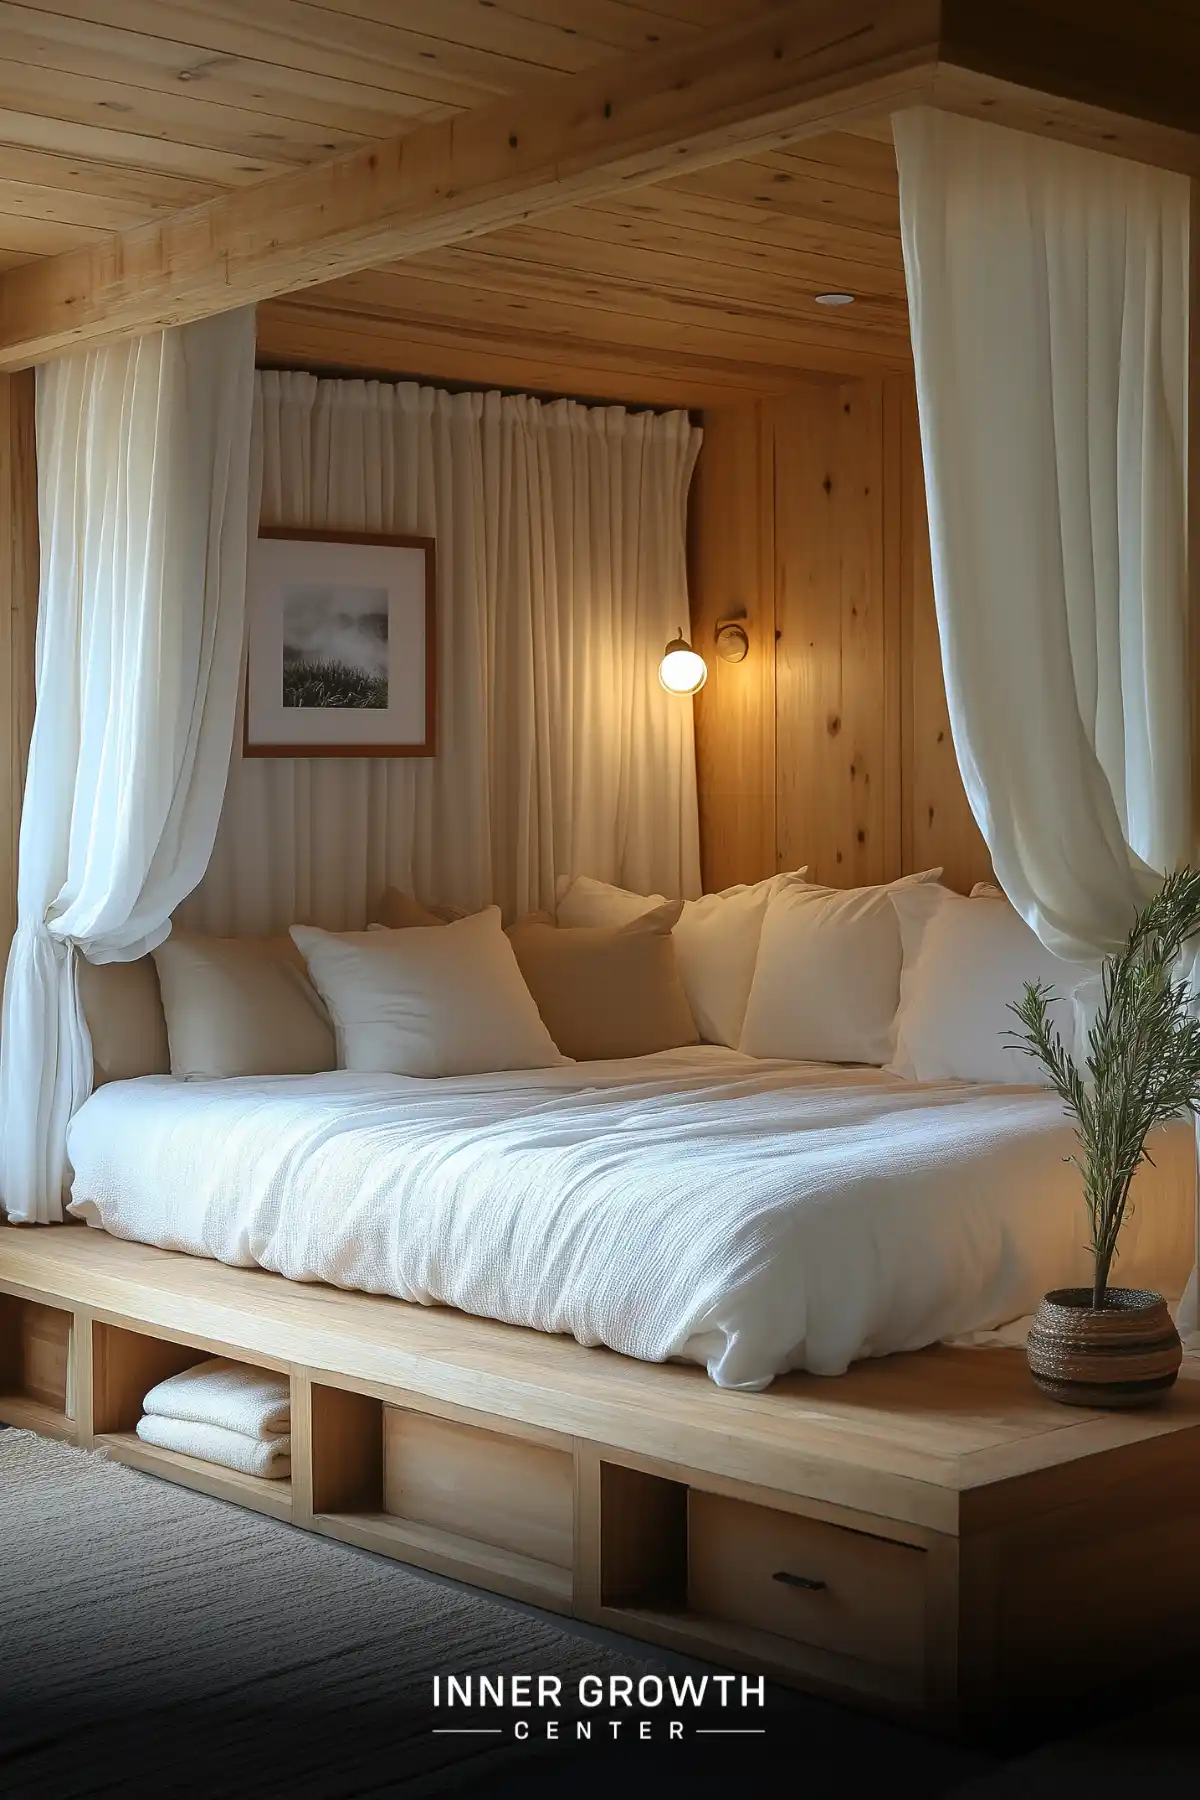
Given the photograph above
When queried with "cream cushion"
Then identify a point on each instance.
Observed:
(827, 981)
(607, 990)
(241, 1006)
(965, 963)
(582, 900)
(428, 1000)
(399, 911)
(716, 941)
(123, 1008)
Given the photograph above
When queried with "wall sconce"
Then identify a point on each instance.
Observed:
(729, 635)
(682, 670)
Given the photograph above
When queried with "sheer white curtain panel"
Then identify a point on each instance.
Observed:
(1048, 295)
(143, 479)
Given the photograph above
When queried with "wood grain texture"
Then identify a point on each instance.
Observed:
(731, 571)
(865, 1598)
(237, 155)
(125, 1366)
(905, 1438)
(34, 1341)
(446, 1553)
(697, 291)
(937, 823)
(814, 505)
(18, 623)
(1193, 496)
(480, 1485)
(345, 1451)
(1122, 78)
(271, 1497)
(296, 334)
(925, 1490)
(831, 671)
(759, 84)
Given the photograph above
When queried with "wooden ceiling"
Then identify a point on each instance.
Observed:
(115, 112)
(160, 159)
(693, 292)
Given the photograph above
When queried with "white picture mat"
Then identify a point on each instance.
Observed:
(279, 563)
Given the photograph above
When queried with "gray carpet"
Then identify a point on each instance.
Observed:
(134, 1611)
(155, 1641)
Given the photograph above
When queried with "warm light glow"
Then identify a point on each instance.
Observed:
(681, 670)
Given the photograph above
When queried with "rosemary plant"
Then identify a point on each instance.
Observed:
(1143, 1061)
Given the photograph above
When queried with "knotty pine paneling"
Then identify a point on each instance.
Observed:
(936, 820)
(18, 619)
(830, 746)
(837, 672)
(731, 555)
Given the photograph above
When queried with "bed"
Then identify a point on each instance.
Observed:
(754, 1217)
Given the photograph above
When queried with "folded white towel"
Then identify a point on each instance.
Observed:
(255, 1402)
(268, 1457)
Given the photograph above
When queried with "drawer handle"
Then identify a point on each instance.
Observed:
(799, 1581)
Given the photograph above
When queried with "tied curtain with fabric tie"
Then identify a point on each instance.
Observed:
(560, 535)
(143, 481)
(1048, 298)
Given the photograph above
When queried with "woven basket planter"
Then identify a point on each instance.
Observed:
(1128, 1354)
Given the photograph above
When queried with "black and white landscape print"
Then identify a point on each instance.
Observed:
(335, 645)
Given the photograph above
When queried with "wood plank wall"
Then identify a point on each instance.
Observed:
(830, 745)
(18, 620)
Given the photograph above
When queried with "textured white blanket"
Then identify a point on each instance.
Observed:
(270, 1458)
(254, 1402)
(751, 1216)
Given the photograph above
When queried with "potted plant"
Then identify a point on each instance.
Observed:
(1114, 1346)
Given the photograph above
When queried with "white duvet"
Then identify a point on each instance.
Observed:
(750, 1216)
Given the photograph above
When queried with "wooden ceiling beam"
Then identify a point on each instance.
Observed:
(804, 68)
(1101, 73)
(1109, 75)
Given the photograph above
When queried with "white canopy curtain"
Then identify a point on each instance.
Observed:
(1048, 299)
(560, 535)
(143, 477)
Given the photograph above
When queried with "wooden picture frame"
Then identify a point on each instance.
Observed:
(380, 605)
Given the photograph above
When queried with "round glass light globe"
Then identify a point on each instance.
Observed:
(682, 672)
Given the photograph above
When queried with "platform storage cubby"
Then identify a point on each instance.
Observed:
(762, 1587)
(125, 1365)
(452, 1495)
(36, 1380)
(927, 1535)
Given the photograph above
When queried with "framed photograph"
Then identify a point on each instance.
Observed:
(341, 657)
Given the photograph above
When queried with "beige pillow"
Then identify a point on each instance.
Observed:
(607, 990)
(241, 1006)
(124, 1014)
(428, 1001)
(399, 911)
(716, 940)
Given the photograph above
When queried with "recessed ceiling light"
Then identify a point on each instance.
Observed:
(834, 299)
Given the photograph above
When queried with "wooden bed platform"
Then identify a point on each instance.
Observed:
(925, 1536)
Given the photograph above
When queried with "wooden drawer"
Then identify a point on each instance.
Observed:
(751, 1565)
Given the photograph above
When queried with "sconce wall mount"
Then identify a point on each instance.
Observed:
(731, 639)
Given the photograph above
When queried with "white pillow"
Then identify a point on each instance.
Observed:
(965, 963)
(581, 900)
(428, 999)
(716, 941)
(827, 982)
